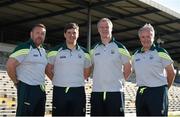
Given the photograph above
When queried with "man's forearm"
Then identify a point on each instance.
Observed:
(12, 75)
(170, 80)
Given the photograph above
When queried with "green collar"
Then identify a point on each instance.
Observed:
(152, 48)
(112, 40)
(64, 47)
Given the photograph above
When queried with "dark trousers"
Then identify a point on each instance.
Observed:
(68, 101)
(107, 104)
(31, 100)
(152, 101)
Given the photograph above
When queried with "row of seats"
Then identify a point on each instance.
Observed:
(8, 96)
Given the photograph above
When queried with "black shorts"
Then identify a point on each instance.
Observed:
(107, 104)
(68, 101)
(152, 101)
(31, 100)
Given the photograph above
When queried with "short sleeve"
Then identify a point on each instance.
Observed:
(19, 53)
(124, 55)
(87, 62)
(165, 58)
(52, 56)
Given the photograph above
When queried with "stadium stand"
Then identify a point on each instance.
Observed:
(8, 97)
(127, 15)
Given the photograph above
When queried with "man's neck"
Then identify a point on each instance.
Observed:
(71, 45)
(106, 40)
(37, 46)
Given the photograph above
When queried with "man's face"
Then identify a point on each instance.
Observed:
(146, 38)
(38, 35)
(71, 35)
(104, 29)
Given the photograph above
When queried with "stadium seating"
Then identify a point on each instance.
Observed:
(8, 96)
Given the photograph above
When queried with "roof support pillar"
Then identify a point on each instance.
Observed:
(89, 27)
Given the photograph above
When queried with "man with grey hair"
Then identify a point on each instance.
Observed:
(111, 66)
(149, 63)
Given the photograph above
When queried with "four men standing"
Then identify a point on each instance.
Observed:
(68, 65)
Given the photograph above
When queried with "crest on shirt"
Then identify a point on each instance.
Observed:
(79, 56)
(112, 51)
(151, 57)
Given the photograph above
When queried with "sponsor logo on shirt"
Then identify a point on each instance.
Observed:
(138, 59)
(35, 55)
(61, 57)
(97, 54)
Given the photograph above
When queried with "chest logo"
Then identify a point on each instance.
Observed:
(112, 51)
(151, 57)
(96, 54)
(35, 55)
(138, 59)
(62, 57)
(79, 56)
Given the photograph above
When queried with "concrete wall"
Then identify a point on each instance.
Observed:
(4, 47)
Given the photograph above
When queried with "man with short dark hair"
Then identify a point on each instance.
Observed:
(68, 67)
(26, 68)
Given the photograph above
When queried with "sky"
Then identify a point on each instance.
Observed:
(172, 4)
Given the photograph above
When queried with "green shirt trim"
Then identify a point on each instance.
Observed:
(20, 52)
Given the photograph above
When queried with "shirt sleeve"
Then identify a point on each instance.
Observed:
(87, 62)
(132, 59)
(124, 55)
(19, 54)
(52, 56)
(164, 56)
(92, 56)
(165, 59)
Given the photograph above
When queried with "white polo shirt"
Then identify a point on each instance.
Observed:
(68, 65)
(150, 66)
(32, 63)
(108, 61)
